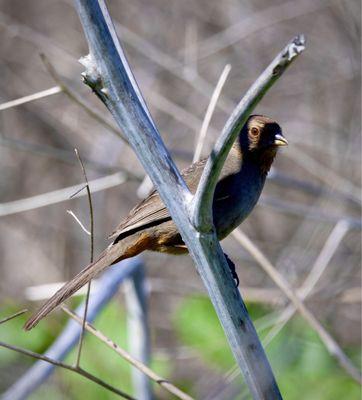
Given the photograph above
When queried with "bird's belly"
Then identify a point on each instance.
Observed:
(230, 211)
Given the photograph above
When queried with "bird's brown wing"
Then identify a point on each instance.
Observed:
(151, 211)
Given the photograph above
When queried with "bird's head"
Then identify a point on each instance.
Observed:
(260, 138)
(261, 133)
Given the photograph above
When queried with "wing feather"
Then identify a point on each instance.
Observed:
(152, 210)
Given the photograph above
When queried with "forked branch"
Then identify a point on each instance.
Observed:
(110, 77)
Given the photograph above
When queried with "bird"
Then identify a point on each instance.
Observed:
(149, 226)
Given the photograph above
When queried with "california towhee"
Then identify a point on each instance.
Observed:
(149, 226)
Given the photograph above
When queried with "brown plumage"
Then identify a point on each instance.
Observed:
(149, 226)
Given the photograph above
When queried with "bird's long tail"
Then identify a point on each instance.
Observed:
(117, 252)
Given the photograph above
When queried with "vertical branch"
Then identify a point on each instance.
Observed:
(210, 111)
(138, 330)
(91, 215)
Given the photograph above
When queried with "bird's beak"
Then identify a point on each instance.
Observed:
(280, 140)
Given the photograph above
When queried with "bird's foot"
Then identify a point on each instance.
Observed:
(232, 270)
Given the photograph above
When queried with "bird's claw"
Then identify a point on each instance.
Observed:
(232, 270)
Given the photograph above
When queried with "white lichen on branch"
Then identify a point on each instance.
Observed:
(295, 47)
(92, 76)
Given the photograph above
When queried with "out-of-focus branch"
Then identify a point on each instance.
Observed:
(107, 287)
(327, 175)
(331, 345)
(40, 40)
(317, 270)
(138, 332)
(178, 113)
(255, 22)
(32, 97)
(308, 212)
(210, 110)
(268, 296)
(10, 317)
(55, 153)
(60, 364)
(124, 354)
(58, 196)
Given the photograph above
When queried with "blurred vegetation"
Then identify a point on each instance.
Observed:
(178, 50)
(303, 367)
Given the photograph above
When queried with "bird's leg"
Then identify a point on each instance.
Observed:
(232, 270)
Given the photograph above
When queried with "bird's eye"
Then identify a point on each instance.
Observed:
(254, 131)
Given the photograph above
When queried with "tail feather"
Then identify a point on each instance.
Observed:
(108, 257)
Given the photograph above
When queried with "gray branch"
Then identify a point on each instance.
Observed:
(202, 202)
(138, 330)
(109, 75)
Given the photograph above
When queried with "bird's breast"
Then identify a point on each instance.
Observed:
(235, 198)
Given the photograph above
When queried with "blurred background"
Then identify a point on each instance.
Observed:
(308, 218)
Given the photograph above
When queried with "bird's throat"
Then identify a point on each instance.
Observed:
(264, 158)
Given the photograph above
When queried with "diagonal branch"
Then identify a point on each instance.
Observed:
(125, 355)
(202, 202)
(331, 345)
(77, 370)
(317, 270)
(60, 195)
(10, 317)
(210, 110)
(31, 97)
(110, 77)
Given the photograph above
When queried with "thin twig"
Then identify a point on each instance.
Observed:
(124, 354)
(10, 317)
(79, 222)
(78, 191)
(331, 345)
(79, 371)
(91, 216)
(32, 97)
(210, 111)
